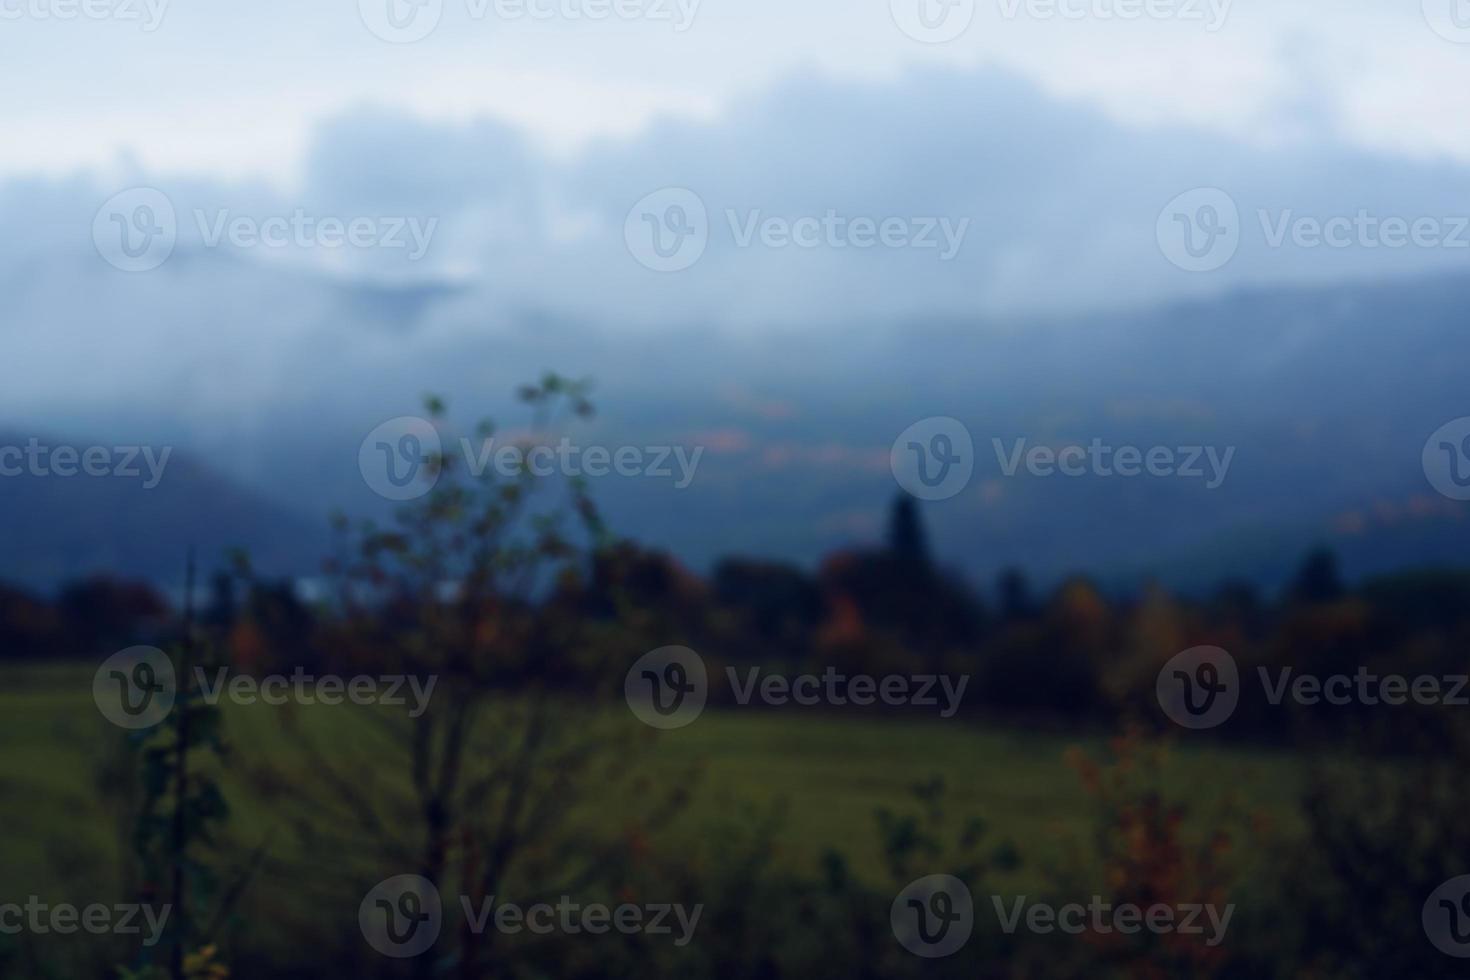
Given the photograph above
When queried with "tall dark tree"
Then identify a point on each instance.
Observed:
(1016, 601)
(906, 539)
(1318, 579)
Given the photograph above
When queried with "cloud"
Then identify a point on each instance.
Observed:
(1062, 205)
(1006, 201)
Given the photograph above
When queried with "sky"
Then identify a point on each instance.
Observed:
(236, 90)
(1041, 157)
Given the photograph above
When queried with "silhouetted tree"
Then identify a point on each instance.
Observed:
(28, 626)
(777, 603)
(1016, 601)
(106, 614)
(489, 775)
(1317, 580)
(906, 540)
(1237, 603)
(221, 611)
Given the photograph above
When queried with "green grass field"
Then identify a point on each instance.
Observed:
(831, 773)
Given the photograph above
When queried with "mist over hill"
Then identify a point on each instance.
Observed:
(1317, 401)
(1314, 373)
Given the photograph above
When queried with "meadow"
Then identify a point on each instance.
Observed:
(827, 774)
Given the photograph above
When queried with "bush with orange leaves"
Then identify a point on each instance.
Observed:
(1148, 858)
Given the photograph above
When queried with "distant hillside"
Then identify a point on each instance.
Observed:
(56, 528)
(1326, 394)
